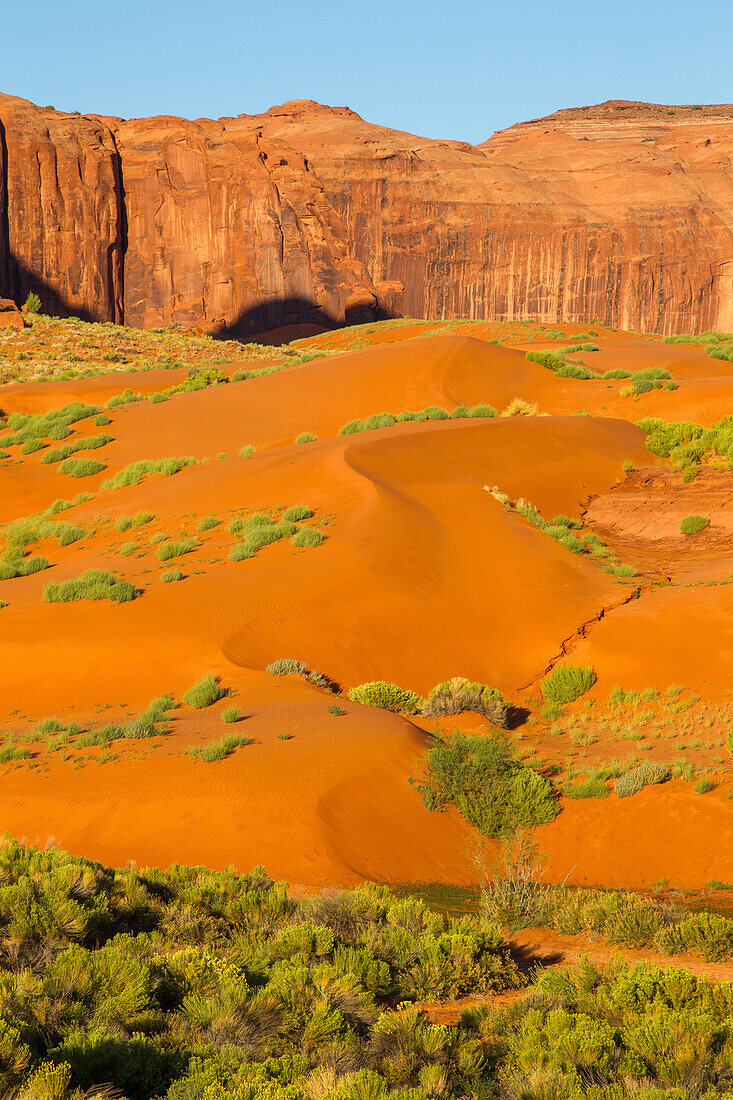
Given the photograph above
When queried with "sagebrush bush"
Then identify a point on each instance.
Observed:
(387, 696)
(287, 666)
(646, 774)
(94, 584)
(204, 693)
(456, 695)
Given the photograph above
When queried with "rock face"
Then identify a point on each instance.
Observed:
(307, 214)
(10, 315)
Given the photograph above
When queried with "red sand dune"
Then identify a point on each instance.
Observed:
(423, 575)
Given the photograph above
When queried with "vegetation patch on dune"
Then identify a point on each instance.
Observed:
(94, 584)
(688, 444)
(219, 750)
(136, 471)
(432, 412)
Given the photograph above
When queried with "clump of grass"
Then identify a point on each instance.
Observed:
(219, 750)
(15, 565)
(230, 715)
(306, 437)
(241, 552)
(171, 575)
(705, 785)
(208, 523)
(387, 696)
(297, 512)
(136, 471)
(90, 443)
(336, 711)
(566, 683)
(307, 538)
(170, 550)
(693, 525)
(126, 523)
(94, 584)
(81, 467)
(14, 752)
(247, 451)
(204, 693)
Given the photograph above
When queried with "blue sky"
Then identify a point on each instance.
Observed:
(442, 69)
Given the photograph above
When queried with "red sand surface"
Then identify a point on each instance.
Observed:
(423, 575)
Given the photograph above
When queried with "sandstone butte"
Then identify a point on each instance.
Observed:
(621, 212)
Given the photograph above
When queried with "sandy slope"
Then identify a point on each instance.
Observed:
(423, 575)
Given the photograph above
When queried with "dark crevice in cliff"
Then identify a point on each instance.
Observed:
(117, 252)
(6, 275)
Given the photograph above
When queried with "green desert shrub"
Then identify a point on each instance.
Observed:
(230, 715)
(208, 523)
(693, 525)
(94, 584)
(204, 693)
(706, 934)
(81, 467)
(387, 696)
(306, 437)
(32, 303)
(168, 550)
(307, 538)
(32, 446)
(645, 775)
(488, 786)
(457, 695)
(566, 683)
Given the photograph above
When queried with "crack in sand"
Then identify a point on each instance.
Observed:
(580, 632)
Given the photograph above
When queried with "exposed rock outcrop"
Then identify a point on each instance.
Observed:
(307, 214)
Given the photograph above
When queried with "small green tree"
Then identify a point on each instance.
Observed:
(32, 303)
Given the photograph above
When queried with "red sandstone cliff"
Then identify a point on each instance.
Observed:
(622, 212)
